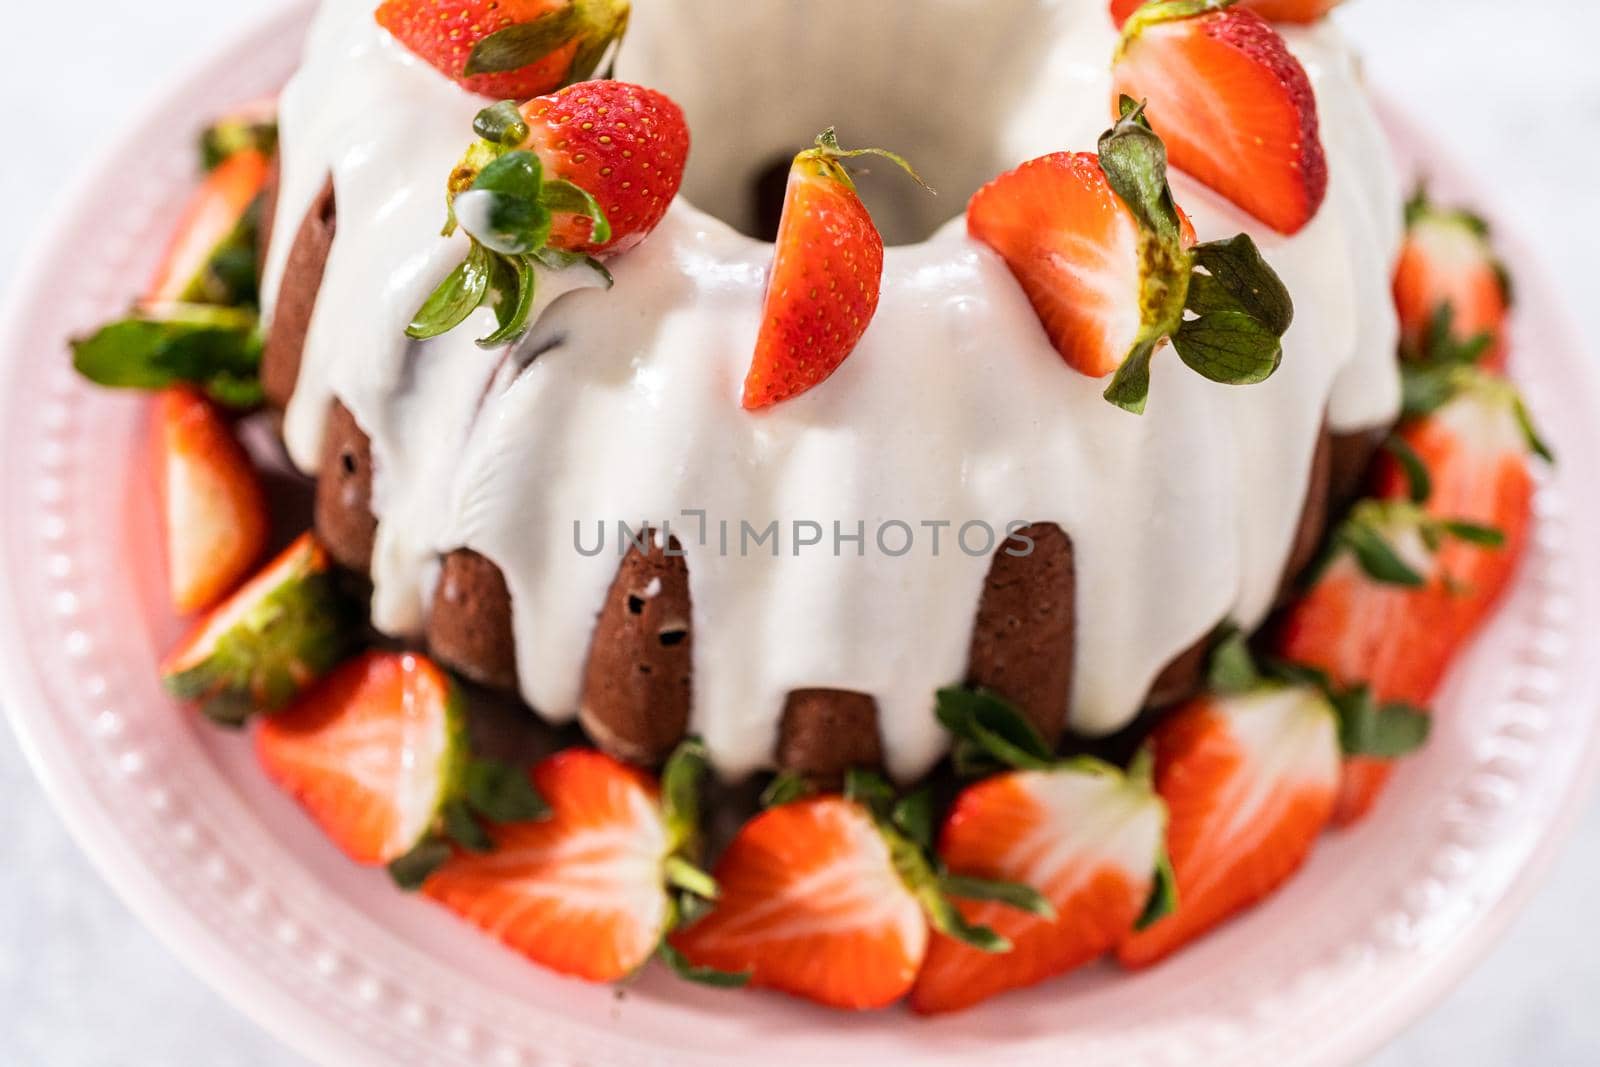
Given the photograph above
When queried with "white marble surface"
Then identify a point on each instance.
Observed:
(1514, 89)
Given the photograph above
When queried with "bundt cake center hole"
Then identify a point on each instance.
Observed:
(760, 83)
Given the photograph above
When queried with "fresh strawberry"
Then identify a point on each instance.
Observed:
(1083, 834)
(831, 898)
(211, 258)
(263, 645)
(250, 127)
(1235, 108)
(1381, 616)
(827, 268)
(213, 508)
(591, 890)
(1103, 254)
(1475, 450)
(1300, 11)
(508, 48)
(1249, 781)
(588, 171)
(374, 753)
(1451, 291)
(811, 905)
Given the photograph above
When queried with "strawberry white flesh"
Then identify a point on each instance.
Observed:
(1249, 783)
(582, 891)
(1087, 840)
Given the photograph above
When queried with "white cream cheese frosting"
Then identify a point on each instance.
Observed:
(954, 408)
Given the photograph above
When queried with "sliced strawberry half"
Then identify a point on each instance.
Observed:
(1381, 617)
(508, 48)
(1084, 835)
(1249, 782)
(1105, 258)
(374, 753)
(1299, 11)
(263, 645)
(1452, 292)
(211, 258)
(827, 272)
(812, 905)
(591, 889)
(1233, 105)
(213, 508)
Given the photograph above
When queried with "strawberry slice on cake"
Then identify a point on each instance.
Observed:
(1234, 106)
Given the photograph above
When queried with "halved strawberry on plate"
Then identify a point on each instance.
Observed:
(1380, 618)
(1234, 106)
(1451, 290)
(211, 258)
(262, 646)
(1110, 266)
(213, 507)
(1249, 779)
(377, 755)
(508, 48)
(1083, 833)
(831, 898)
(591, 889)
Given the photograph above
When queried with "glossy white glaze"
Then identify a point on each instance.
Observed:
(954, 407)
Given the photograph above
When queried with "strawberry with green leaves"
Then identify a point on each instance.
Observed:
(197, 322)
(1381, 613)
(586, 172)
(508, 48)
(213, 506)
(592, 888)
(261, 647)
(1249, 775)
(1100, 249)
(377, 755)
(1303, 12)
(1234, 106)
(831, 898)
(827, 275)
(1086, 835)
(1452, 292)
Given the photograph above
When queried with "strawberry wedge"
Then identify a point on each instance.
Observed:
(1452, 292)
(191, 272)
(1234, 106)
(1084, 835)
(1249, 780)
(258, 649)
(213, 507)
(1110, 266)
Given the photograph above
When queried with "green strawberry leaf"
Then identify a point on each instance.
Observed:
(1530, 432)
(525, 43)
(412, 869)
(946, 918)
(1386, 731)
(216, 349)
(1011, 894)
(709, 976)
(1163, 899)
(513, 283)
(565, 198)
(457, 297)
(501, 124)
(222, 140)
(1376, 557)
(993, 726)
(460, 826)
(1130, 386)
(502, 793)
(913, 816)
(1232, 667)
(871, 790)
(785, 788)
(1134, 160)
(1231, 347)
(686, 877)
(1473, 533)
(1239, 279)
(681, 781)
(1419, 481)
